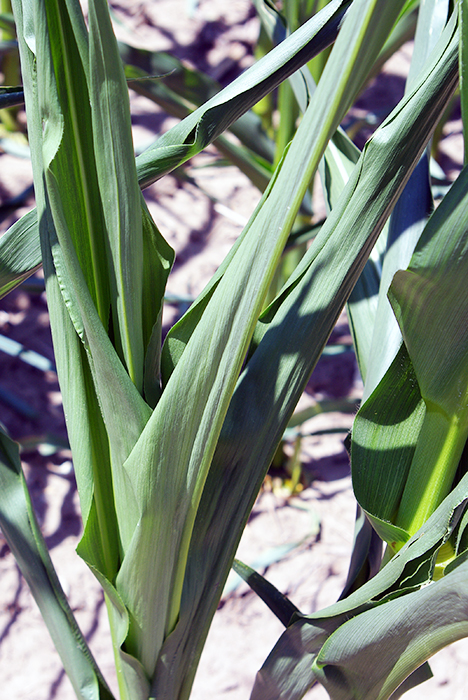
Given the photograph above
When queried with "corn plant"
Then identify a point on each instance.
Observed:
(170, 444)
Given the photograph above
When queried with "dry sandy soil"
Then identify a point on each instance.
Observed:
(305, 539)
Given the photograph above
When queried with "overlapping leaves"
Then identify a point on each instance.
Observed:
(168, 471)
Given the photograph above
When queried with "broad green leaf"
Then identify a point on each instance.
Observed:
(169, 151)
(300, 657)
(406, 632)
(436, 273)
(430, 307)
(199, 129)
(409, 434)
(22, 533)
(341, 81)
(384, 438)
(118, 189)
(290, 345)
(408, 218)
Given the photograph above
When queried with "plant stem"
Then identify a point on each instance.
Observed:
(123, 693)
(433, 468)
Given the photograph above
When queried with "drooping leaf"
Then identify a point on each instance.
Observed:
(20, 253)
(171, 151)
(333, 645)
(299, 320)
(278, 603)
(404, 632)
(22, 533)
(200, 128)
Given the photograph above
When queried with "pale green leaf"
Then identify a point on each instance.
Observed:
(407, 220)
(253, 85)
(205, 124)
(404, 633)
(300, 657)
(21, 531)
(290, 343)
(20, 253)
(118, 188)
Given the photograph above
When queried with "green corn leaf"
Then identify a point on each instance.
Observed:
(66, 141)
(184, 444)
(20, 253)
(436, 270)
(384, 438)
(278, 603)
(22, 533)
(180, 89)
(341, 82)
(221, 337)
(118, 188)
(255, 167)
(407, 221)
(89, 445)
(303, 319)
(384, 611)
(406, 632)
(200, 128)
(169, 152)
(398, 452)
(428, 300)
(125, 412)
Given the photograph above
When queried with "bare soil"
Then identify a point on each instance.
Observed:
(303, 542)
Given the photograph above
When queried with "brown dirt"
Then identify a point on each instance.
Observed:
(319, 522)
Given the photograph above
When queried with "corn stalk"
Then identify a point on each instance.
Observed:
(170, 445)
